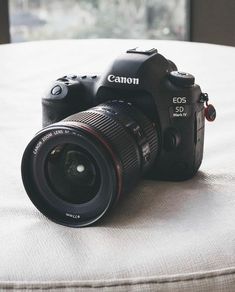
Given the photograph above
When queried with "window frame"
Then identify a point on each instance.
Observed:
(4, 22)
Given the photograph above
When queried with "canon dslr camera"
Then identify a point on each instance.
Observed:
(102, 133)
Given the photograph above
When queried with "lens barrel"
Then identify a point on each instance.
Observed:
(75, 170)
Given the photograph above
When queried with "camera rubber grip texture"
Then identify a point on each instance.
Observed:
(119, 139)
(54, 111)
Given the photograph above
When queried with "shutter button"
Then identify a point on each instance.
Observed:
(56, 90)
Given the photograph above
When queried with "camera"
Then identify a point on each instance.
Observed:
(101, 134)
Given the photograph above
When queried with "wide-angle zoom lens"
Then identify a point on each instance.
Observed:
(75, 170)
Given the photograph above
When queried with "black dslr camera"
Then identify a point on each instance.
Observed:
(141, 117)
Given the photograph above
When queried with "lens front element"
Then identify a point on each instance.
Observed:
(72, 173)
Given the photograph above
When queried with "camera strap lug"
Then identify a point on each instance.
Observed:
(210, 111)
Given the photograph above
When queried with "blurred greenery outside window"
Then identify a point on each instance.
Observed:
(142, 19)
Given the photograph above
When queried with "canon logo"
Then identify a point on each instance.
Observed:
(121, 79)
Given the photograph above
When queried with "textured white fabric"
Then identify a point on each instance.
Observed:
(164, 236)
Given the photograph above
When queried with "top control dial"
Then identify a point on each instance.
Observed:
(182, 78)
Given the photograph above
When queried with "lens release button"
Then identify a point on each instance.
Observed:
(171, 139)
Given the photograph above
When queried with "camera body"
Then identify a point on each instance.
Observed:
(101, 134)
(168, 98)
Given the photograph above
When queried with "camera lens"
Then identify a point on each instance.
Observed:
(74, 171)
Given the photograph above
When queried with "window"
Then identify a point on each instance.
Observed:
(145, 19)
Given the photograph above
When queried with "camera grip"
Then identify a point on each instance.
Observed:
(64, 98)
(55, 104)
(53, 111)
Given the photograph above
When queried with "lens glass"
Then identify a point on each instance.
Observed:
(72, 173)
